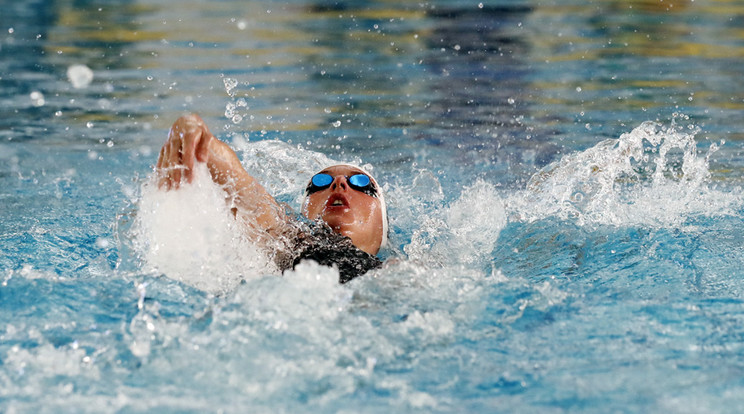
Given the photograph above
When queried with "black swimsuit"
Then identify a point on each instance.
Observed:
(323, 245)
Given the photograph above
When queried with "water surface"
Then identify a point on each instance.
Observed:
(564, 182)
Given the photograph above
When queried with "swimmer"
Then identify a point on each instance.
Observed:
(345, 214)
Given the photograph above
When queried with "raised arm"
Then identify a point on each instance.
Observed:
(189, 141)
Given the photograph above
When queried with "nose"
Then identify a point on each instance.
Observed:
(340, 183)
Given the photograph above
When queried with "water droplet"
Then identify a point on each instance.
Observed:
(37, 98)
(336, 124)
(230, 84)
(89, 124)
(229, 110)
(80, 76)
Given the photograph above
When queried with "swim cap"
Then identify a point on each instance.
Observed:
(379, 196)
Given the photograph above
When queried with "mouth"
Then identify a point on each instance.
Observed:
(337, 201)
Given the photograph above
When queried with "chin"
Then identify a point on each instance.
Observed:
(337, 222)
(343, 229)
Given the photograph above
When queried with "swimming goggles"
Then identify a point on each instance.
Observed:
(358, 182)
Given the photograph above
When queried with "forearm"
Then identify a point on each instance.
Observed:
(250, 199)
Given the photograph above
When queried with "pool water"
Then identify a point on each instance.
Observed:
(563, 180)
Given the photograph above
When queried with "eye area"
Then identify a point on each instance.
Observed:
(358, 182)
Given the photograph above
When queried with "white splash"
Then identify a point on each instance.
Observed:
(653, 176)
(467, 229)
(190, 235)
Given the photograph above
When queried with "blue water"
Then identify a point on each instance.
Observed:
(564, 183)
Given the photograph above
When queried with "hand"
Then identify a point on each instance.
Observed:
(188, 143)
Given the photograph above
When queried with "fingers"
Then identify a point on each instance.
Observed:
(188, 153)
(160, 170)
(187, 143)
(169, 165)
(202, 147)
(175, 149)
(189, 131)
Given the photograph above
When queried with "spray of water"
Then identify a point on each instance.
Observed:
(651, 176)
(189, 235)
(462, 232)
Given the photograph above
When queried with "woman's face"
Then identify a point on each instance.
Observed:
(346, 209)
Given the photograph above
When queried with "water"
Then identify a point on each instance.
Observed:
(563, 179)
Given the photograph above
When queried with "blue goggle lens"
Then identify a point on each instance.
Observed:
(359, 180)
(322, 180)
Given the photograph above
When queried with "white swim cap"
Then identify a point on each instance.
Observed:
(379, 195)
